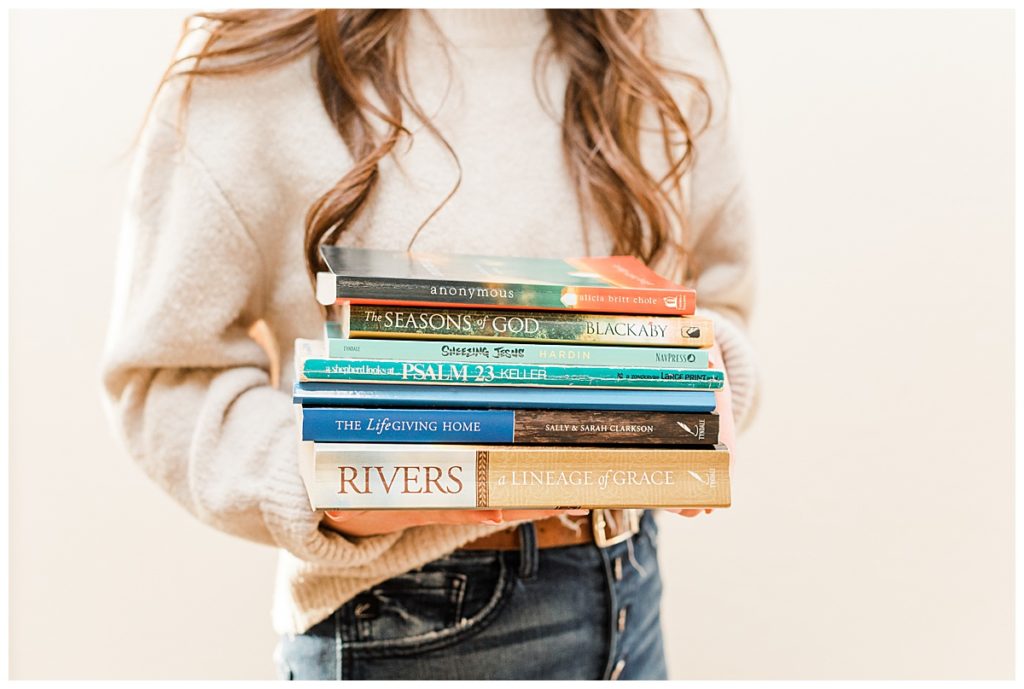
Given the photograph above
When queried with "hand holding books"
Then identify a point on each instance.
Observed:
(372, 522)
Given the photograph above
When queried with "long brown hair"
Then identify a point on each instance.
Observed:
(613, 84)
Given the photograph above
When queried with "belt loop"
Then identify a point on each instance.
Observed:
(529, 554)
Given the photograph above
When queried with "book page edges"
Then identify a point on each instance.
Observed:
(326, 288)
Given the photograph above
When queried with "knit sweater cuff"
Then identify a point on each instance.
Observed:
(740, 365)
(295, 525)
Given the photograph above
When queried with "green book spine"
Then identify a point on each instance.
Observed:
(373, 321)
(463, 373)
(511, 353)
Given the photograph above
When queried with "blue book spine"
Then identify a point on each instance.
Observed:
(507, 426)
(544, 375)
(513, 353)
(408, 425)
(498, 397)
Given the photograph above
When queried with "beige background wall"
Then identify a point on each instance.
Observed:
(871, 535)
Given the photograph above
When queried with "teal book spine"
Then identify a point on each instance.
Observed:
(511, 353)
(539, 375)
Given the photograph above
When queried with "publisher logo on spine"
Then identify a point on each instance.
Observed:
(695, 430)
(708, 479)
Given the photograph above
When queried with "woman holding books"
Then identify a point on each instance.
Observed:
(514, 132)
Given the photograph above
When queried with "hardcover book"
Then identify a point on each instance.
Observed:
(608, 284)
(506, 426)
(383, 476)
(312, 365)
(501, 352)
(498, 397)
(375, 321)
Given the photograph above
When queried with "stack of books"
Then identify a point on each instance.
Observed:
(446, 381)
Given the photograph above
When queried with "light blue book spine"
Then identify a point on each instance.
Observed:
(536, 375)
(498, 397)
(511, 353)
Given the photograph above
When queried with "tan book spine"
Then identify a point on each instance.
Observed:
(385, 476)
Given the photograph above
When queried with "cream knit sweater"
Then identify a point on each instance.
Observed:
(212, 242)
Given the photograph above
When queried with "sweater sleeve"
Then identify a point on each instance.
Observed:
(723, 263)
(720, 222)
(187, 388)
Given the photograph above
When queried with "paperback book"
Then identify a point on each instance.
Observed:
(383, 476)
(312, 365)
(501, 352)
(506, 426)
(376, 321)
(498, 397)
(607, 284)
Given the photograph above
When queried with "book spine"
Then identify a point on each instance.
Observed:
(583, 427)
(497, 397)
(396, 291)
(372, 321)
(369, 476)
(521, 426)
(486, 352)
(534, 375)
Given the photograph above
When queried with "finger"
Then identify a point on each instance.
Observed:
(464, 516)
(340, 516)
(685, 512)
(518, 515)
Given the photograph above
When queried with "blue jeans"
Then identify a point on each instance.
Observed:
(577, 612)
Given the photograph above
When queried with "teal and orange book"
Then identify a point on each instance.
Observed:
(603, 284)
